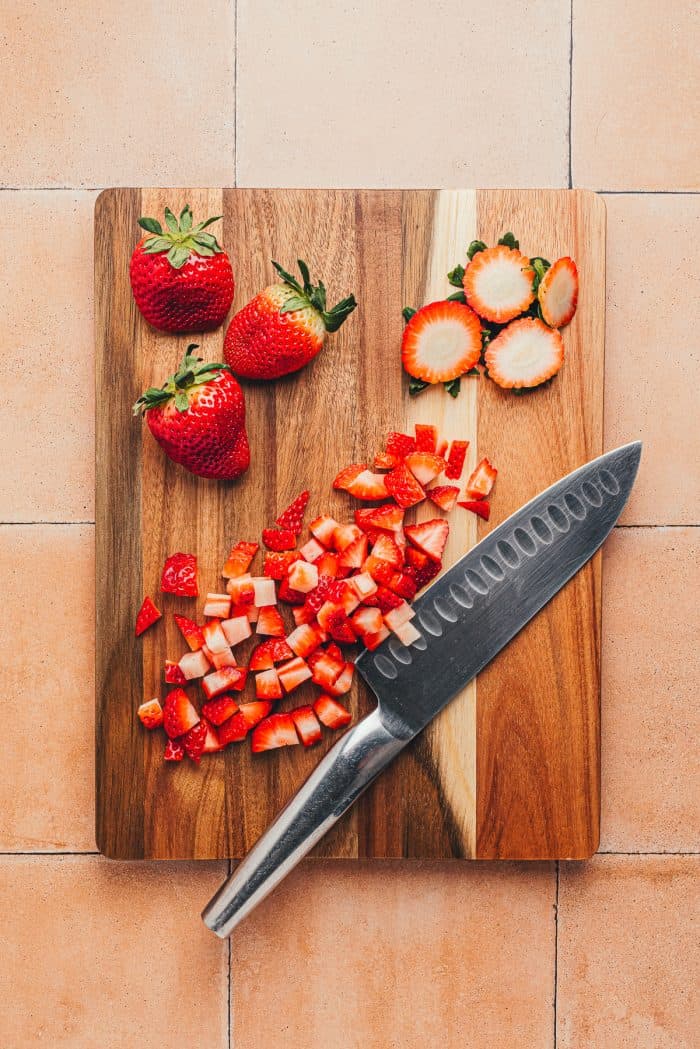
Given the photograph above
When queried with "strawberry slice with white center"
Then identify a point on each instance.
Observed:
(307, 725)
(305, 640)
(331, 713)
(429, 536)
(179, 716)
(274, 731)
(238, 561)
(303, 577)
(293, 673)
(323, 528)
(268, 685)
(407, 633)
(367, 620)
(482, 480)
(525, 354)
(194, 664)
(326, 669)
(217, 606)
(343, 683)
(498, 283)
(558, 292)
(233, 678)
(151, 714)
(354, 554)
(444, 496)
(212, 743)
(349, 474)
(344, 535)
(388, 517)
(214, 636)
(425, 466)
(386, 549)
(223, 659)
(367, 486)
(270, 622)
(236, 630)
(248, 715)
(441, 341)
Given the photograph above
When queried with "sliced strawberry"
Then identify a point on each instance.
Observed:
(406, 633)
(267, 685)
(399, 615)
(174, 751)
(441, 449)
(558, 292)
(426, 437)
(331, 713)
(217, 606)
(481, 507)
(498, 284)
(363, 585)
(151, 714)
(276, 730)
(233, 678)
(372, 641)
(455, 460)
(173, 674)
(481, 481)
(148, 615)
(279, 539)
(334, 652)
(219, 710)
(178, 713)
(179, 575)
(277, 564)
(322, 529)
(421, 567)
(404, 487)
(236, 629)
(441, 341)
(194, 664)
(193, 741)
(241, 590)
(191, 632)
(264, 591)
(247, 716)
(354, 553)
(293, 673)
(270, 622)
(212, 743)
(290, 596)
(267, 653)
(340, 628)
(302, 614)
(400, 444)
(307, 725)
(388, 517)
(403, 584)
(303, 577)
(444, 496)
(429, 536)
(343, 683)
(367, 620)
(385, 461)
(223, 659)
(384, 599)
(525, 354)
(239, 560)
(425, 466)
(305, 640)
(214, 637)
(367, 486)
(385, 549)
(381, 571)
(348, 475)
(293, 517)
(326, 669)
(344, 535)
(327, 564)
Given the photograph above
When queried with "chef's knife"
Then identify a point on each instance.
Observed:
(464, 619)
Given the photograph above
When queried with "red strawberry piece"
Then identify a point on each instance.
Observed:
(367, 486)
(304, 640)
(340, 628)
(322, 529)
(214, 637)
(289, 595)
(444, 496)
(283, 327)
(276, 730)
(179, 575)
(307, 725)
(334, 652)
(385, 461)
(198, 419)
(558, 293)
(303, 577)
(388, 517)
(174, 751)
(349, 474)
(403, 584)
(421, 567)
(440, 342)
(267, 653)
(525, 354)
(354, 553)
(425, 466)
(239, 560)
(381, 571)
(430, 536)
(242, 591)
(277, 564)
(151, 714)
(481, 481)
(191, 632)
(426, 438)
(372, 641)
(441, 449)
(332, 713)
(404, 487)
(173, 674)
(279, 539)
(217, 606)
(212, 743)
(302, 614)
(219, 710)
(385, 549)
(363, 585)
(222, 680)
(455, 460)
(344, 535)
(498, 284)
(193, 741)
(194, 664)
(268, 685)
(326, 669)
(270, 621)
(247, 716)
(148, 615)
(367, 620)
(178, 713)
(293, 673)
(478, 506)
(400, 444)
(293, 517)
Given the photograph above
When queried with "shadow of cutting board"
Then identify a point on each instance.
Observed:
(510, 769)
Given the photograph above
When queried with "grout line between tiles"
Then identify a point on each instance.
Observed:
(556, 951)
(99, 189)
(571, 84)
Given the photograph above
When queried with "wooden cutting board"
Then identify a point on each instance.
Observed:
(511, 768)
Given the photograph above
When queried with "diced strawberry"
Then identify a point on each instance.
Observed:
(249, 610)
(340, 628)
(498, 284)
(403, 584)
(404, 487)
(267, 653)
(219, 710)
(323, 528)
(304, 640)
(429, 536)
(363, 585)
(400, 444)
(440, 342)
(174, 751)
(288, 595)
(302, 614)
(326, 669)
(147, 616)
(276, 730)
(277, 564)
(178, 713)
(426, 438)
(214, 637)
(385, 549)
(368, 486)
(327, 564)
(348, 475)
(241, 590)
(267, 685)
(236, 630)
(222, 680)
(194, 664)
(367, 620)
(173, 674)
(343, 683)
(481, 481)
(264, 590)
(212, 743)
(331, 713)
(334, 652)
(293, 673)
(191, 632)
(406, 633)
(481, 507)
(355, 552)
(223, 659)
(293, 517)
(372, 641)
(326, 611)
(179, 575)
(421, 567)
(270, 622)
(381, 571)
(151, 714)
(384, 599)
(279, 538)
(312, 550)
(239, 560)
(455, 460)
(388, 517)
(441, 449)
(425, 466)
(385, 461)
(558, 293)
(303, 577)
(247, 716)
(193, 741)
(444, 496)
(524, 354)
(344, 535)
(217, 606)
(399, 615)
(307, 725)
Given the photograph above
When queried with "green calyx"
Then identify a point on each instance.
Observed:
(314, 295)
(180, 238)
(192, 372)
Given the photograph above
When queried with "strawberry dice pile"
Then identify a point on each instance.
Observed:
(348, 583)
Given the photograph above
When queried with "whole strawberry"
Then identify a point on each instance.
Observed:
(283, 327)
(181, 278)
(198, 418)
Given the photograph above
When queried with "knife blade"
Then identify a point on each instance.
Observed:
(464, 619)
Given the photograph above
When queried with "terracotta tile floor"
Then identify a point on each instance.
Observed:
(390, 956)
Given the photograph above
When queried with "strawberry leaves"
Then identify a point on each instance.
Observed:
(180, 239)
(314, 296)
(193, 372)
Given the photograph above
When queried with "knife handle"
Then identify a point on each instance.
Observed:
(347, 769)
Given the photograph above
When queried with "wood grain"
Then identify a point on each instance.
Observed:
(511, 766)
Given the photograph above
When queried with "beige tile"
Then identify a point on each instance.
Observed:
(652, 356)
(101, 955)
(650, 674)
(635, 85)
(437, 94)
(398, 956)
(628, 960)
(46, 340)
(47, 781)
(97, 94)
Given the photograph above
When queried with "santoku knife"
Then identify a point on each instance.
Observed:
(464, 618)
